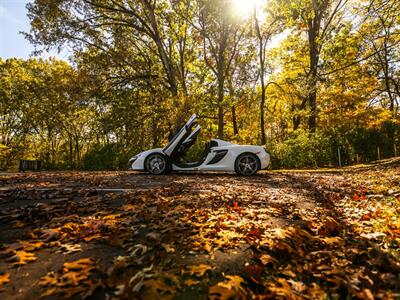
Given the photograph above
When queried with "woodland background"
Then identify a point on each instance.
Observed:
(303, 78)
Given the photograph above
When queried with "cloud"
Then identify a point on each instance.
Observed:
(6, 15)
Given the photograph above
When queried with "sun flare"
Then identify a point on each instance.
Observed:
(245, 8)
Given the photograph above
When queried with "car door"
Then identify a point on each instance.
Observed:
(180, 137)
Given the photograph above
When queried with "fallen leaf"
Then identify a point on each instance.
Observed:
(231, 288)
(366, 294)
(199, 270)
(80, 264)
(232, 282)
(217, 292)
(190, 282)
(48, 279)
(168, 248)
(49, 292)
(138, 249)
(266, 259)
(21, 258)
(4, 278)
(156, 289)
(70, 248)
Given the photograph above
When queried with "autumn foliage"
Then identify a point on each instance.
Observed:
(297, 235)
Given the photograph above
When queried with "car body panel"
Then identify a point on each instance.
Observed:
(226, 164)
(221, 155)
(179, 137)
(137, 161)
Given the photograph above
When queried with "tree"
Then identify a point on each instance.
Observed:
(380, 31)
(110, 27)
(221, 35)
(264, 32)
(317, 18)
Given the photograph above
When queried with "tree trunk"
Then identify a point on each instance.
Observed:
(296, 122)
(220, 108)
(262, 113)
(312, 120)
(77, 151)
(71, 159)
(313, 26)
(387, 79)
(166, 60)
(154, 133)
(261, 56)
(233, 108)
(234, 123)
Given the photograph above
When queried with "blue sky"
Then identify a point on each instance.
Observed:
(13, 19)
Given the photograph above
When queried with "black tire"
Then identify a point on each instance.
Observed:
(157, 164)
(247, 164)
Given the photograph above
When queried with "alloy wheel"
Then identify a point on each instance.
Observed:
(156, 164)
(247, 165)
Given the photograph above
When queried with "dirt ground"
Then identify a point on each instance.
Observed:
(125, 235)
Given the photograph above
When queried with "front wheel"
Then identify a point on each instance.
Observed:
(247, 164)
(157, 164)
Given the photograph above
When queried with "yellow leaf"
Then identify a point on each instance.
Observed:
(190, 282)
(49, 292)
(80, 264)
(199, 270)
(283, 289)
(316, 292)
(232, 282)
(31, 246)
(168, 248)
(366, 294)
(332, 240)
(4, 278)
(330, 225)
(217, 292)
(50, 278)
(73, 278)
(21, 258)
(207, 247)
(228, 289)
(157, 289)
(265, 259)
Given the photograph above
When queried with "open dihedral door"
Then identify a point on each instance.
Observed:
(183, 134)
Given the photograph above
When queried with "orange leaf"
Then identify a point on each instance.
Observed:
(366, 217)
(219, 293)
(266, 259)
(21, 258)
(156, 289)
(199, 270)
(231, 288)
(255, 232)
(190, 282)
(4, 278)
(49, 279)
(254, 272)
(80, 264)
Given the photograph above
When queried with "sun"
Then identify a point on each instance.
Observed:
(245, 8)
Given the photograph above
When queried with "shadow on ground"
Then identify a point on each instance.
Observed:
(179, 235)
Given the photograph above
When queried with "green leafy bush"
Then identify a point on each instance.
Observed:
(302, 149)
(106, 157)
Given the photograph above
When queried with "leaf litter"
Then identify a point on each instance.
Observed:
(289, 235)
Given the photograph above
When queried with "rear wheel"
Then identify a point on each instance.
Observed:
(247, 164)
(157, 164)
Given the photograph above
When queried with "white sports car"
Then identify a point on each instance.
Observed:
(218, 155)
